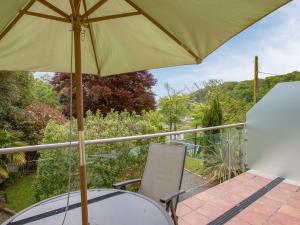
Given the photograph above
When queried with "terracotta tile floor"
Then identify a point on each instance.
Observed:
(280, 206)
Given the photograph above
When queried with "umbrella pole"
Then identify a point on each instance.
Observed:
(80, 123)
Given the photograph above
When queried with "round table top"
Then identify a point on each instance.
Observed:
(106, 207)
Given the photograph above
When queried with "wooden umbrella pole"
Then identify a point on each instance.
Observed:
(255, 80)
(79, 111)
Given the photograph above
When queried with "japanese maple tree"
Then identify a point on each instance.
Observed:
(130, 92)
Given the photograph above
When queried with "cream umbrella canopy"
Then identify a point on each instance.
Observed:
(118, 36)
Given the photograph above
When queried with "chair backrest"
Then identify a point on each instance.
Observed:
(164, 170)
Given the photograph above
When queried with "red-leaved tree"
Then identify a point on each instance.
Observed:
(130, 91)
(32, 119)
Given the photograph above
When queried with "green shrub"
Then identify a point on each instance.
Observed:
(217, 167)
(106, 163)
(9, 163)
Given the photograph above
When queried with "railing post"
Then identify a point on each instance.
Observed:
(229, 153)
(245, 138)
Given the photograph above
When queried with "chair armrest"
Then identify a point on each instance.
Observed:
(123, 184)
(167, 198)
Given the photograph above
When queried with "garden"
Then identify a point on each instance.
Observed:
(38, 110)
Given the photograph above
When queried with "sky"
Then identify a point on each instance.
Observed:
(275, 39)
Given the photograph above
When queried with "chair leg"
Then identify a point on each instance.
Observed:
(173, 213)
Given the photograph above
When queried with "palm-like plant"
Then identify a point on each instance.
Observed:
(217, 160)
(10, 162)
(3, 170)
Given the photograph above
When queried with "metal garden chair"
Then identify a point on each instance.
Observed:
(162, 176)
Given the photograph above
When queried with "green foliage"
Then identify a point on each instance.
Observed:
(217, 163)
(194, 165)
(3, 170)
(10, 139)
(19, 112)
(43, 92)
(25, 81)
(269, 82)
(106, 163)
(198, 112)
(208, 91)
(174, 108)
(234, 110)
(213, 116)
(236, 98)
(15, 92)
(15, 88)
(242, 90)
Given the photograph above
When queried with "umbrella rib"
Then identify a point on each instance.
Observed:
(72, 7)
(77, 6)
(93, 8)
(45, 16)
(92, 38)
(16, 19)
(157, 24)
(54, 8)
(116, 16)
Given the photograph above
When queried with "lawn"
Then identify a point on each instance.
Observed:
(20, 194)
(194, 165)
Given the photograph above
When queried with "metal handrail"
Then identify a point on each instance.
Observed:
(111, 140)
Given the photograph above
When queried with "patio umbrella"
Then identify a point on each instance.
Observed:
(117, 36)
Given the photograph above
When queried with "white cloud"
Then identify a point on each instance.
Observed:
(281, 53)
(277, 45)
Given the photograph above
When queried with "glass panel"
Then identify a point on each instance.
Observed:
(35, 176)
(273, 133)
(207, 160)
(40, 175)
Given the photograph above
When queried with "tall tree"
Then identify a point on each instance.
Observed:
(208, 90)
(197, 115)
(44, 93)
(15, 93)
(130, 92)
(233, 103)
(214, 115)
(174, 107)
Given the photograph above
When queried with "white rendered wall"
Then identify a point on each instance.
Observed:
(273, 131)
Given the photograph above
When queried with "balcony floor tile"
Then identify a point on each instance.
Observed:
(279, 206)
